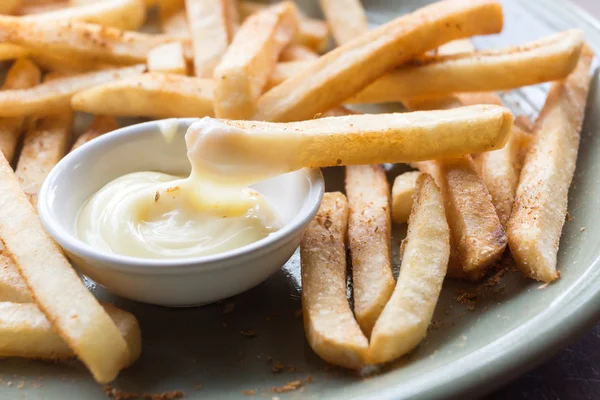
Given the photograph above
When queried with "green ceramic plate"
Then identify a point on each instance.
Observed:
(515, 324)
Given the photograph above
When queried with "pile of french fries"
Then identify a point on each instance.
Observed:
(251, 61)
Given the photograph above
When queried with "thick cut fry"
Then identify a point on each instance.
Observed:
(173, 18)
(369, 239)
(168, 58)
(12, 285)
(68, 65)
(535, 226)
(402, 195)
(153, 95)
(312, 33)
(9, 6)
(71, 309)
(22, 75)
(285, 70)
(121, 14)
(12, 51)
(44, 145)
(99, 126)
(406, 317)
(297, 52)
(210, 29)
(547, 59)
(347, 19)
(339, 74)
(30, 7)
(244, 70)
(25, 332)
(49, 97)
(329, 324)
(478, 239)
(80, 39)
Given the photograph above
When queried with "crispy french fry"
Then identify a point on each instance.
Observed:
(244, 70)
(285, 70)
(44, 145)
(211, 32)
(276, 148)
(426, 249)
(49, 97)
(25, 332)
(297, 52)
(167, 58)
(80, 39)
(9, 6)
(547, 59)
(312, 33)
(535, 226)
(154, 95)
(22, 75)
(121, 14)
(68, 65)
(12, 51)
(99, 126)
(369, 240)
(402, 195)
(347, 19)
(173, 18)
(329, 324)
(12, 286)
(339, 74)
(71, 309)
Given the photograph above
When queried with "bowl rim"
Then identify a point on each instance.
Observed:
(72, 244)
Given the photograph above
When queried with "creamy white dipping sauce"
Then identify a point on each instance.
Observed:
(156, 215)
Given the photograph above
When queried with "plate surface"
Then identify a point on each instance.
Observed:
(514, 325)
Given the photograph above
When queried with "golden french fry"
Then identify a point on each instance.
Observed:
(71, 309)
(535, 226)
(402, 195)
(369, 240)
(173, 18)
(121, 14)
(49, 97)
(154, 95)
(297, 52)
(44, 145)
(9, 6)
(285, 70)
(341, 73)
(406, 317)
(329, 324)
(211, 32)
(40, 7)
(312, 33)
(347, 19)
(12, 286)
(243, 72)
(547, 59)
(12, 51)
(22, 75)
(167, 58)
(25, 332)
(68, 65)
(80, 39)
(99, 126)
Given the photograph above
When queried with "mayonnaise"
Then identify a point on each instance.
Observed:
(155, 215)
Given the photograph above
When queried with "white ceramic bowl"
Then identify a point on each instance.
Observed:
(179, 282)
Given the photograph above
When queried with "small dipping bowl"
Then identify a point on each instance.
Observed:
(169, 282)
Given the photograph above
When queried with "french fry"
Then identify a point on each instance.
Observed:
(71, 309)
(339, 74)
(44, 145)
(369, 240)
(547, 59)
(535, 226)
(312, 33)
(329, 324)
(121, 14)
(211, 32)
(477, 236)
(243, 72)
(100, 125)
(22, 75)
(25, 332)
(403, 191)
(37, 7)
(276, 148)
(297, 52)
(285, 70)
(347, 19)
(9, 6)
(80, 39)
(154, 95)
(173, 18)
(426, 249)
(49, 97)
(167, 58)
(68, 65)
(12, 286)
(12, 51)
